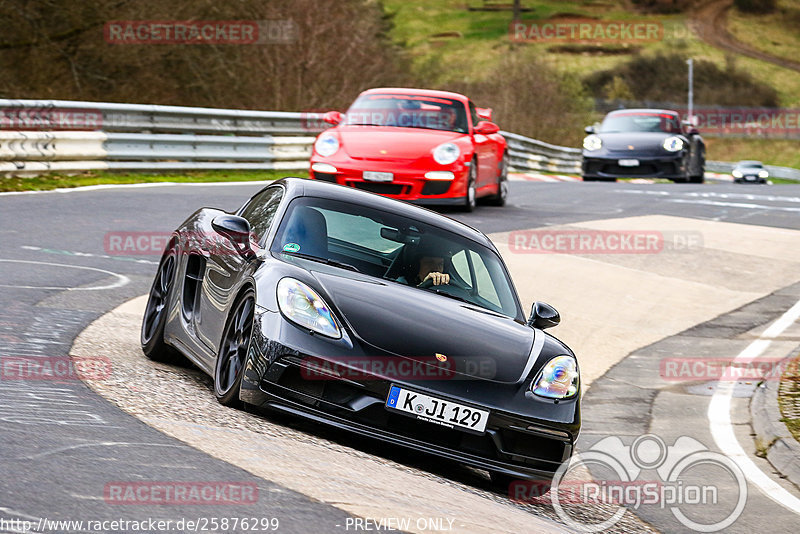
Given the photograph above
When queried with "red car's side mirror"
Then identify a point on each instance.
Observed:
(484, 113)
(332, 117)
(486, 128)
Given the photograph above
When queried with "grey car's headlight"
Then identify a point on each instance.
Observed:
(446, 153)
(673, 144)
(326, 145)
(592, 143)
(763, 173)
(737, 174)
(301, 304)
(558, 379)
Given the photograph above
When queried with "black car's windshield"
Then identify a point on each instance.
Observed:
(639, 121)
(395, 248)
(408, 111)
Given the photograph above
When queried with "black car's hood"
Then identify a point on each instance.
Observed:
(640, 141)
(418, 324)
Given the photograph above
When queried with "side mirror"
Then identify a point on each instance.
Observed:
(484, 113)
(332, 117)
(543, 316)
(486, 128)
(589, 129)
(237, 229)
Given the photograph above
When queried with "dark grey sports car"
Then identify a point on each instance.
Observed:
(648, 143)
(371, 315)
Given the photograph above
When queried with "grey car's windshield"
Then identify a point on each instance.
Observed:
(408, 111)
(750, 164)
(637, 121)
(395, 248)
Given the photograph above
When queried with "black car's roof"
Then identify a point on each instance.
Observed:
(305, 187)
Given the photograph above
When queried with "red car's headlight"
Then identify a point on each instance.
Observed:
(446, 153)
(326, 145)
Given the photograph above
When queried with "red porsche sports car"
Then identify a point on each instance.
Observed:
(423, 146)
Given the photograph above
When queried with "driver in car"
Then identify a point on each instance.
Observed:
(428, 267)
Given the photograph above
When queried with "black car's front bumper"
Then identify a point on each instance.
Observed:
(671, 167)
(515, 444)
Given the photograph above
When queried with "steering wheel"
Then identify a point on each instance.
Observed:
(451, 288)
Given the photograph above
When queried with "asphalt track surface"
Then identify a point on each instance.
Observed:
(62, 445)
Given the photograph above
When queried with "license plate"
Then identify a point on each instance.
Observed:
(628, 163)
(373, 176)
(438, 411)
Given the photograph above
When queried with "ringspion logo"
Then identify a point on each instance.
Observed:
(705, 490)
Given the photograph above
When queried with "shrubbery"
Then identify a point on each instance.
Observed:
(56, 49)
(664, 78)
(756, 6)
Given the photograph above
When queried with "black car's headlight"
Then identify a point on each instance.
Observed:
(592, 143)
(302, 305)
(673, 144)
(558, 379)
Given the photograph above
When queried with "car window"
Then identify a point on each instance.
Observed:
(474, 114)
(408, 111)
(260, 210)
(394, 248)
(641, 121)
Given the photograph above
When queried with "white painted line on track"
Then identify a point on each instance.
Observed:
(121, 278)
(88, 255)
(102, 187)
(742, 205)
(719, 417)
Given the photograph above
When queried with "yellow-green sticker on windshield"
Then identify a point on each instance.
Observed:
(291, 247)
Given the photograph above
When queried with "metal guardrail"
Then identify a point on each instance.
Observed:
(137, 137)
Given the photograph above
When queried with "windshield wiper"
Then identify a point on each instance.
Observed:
(326, 261)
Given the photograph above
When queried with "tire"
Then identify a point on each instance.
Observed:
(502, 185)
(232, 353)
(471, 200)
(155, 313)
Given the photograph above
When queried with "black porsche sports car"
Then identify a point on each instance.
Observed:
(643, 143)
(308, 300)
